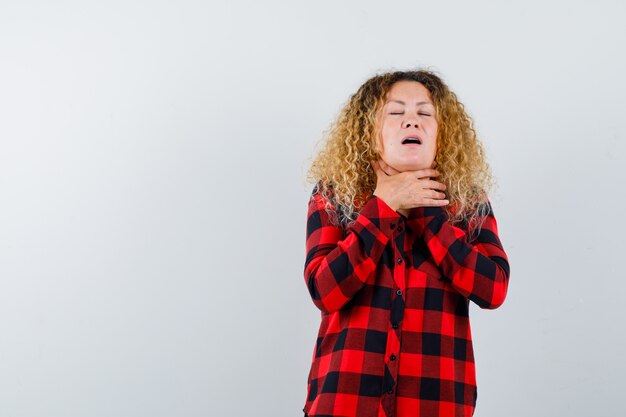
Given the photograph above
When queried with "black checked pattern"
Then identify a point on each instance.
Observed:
(394, 295)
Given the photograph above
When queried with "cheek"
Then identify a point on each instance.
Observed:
(434, 134)
(384, 133)
(434, 145)
(433, 128)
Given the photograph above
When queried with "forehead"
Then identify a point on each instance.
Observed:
(410, 92)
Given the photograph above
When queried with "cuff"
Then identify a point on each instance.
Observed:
(381, 215)
(420, 217)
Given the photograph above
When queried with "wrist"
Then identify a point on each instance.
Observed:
(387, 201)
(426, 211)
(404, 212)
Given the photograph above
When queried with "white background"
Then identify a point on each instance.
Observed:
(153, 201)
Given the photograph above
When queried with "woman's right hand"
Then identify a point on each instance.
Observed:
(409, 189)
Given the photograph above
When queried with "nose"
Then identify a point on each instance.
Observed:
(409, 122)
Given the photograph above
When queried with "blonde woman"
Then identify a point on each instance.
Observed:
(400, 237)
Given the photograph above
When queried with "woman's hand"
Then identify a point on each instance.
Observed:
(403, 191)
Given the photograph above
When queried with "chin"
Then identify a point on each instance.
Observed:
(409, 166)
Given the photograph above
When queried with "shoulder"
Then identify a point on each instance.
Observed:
(324, 198)
(323, 195)
(472, 213)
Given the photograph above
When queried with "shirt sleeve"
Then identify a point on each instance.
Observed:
(478, 270)
(340, 262)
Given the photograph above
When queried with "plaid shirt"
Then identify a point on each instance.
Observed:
(394, 292)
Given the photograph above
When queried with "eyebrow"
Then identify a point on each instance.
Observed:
(418, 103)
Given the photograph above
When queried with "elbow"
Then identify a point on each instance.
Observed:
(310, 272)
(315, 296)
(323, 283)
(324, 304)
(499, 291)
(496, 301)
(324, 308)
(493, 303)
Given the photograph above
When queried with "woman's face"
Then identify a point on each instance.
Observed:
(408, 112)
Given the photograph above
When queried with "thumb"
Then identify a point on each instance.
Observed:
(377, 169)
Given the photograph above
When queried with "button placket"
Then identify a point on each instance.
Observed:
(397, 310)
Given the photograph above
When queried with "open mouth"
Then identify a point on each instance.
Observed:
(412, 140)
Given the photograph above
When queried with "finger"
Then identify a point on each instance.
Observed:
(377, 169)
(384, 167)
(425, 197)
(436, 195)
(432, 184)
(425, 173)
(388, 168)
(381, 168)
(437, 203)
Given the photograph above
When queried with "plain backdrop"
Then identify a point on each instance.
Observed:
(153, 197)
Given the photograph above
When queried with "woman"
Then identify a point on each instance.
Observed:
(400, 237)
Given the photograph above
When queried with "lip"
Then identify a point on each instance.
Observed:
(413, 135)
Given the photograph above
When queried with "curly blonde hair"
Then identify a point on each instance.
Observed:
(343, 172)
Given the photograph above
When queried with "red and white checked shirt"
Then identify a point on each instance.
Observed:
(394, 292)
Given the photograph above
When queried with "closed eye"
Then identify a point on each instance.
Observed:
(421, 114)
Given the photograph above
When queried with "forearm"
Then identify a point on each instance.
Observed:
(337, 267)
(478, 270)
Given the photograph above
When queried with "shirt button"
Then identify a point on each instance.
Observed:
(399, 292)
(399, 260)
(393, 226)
(390, 391)
(392, 357)
(399, 228)
(394, 325)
